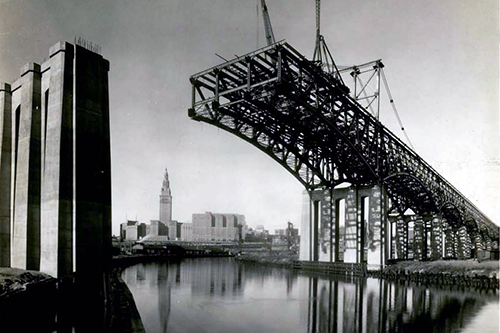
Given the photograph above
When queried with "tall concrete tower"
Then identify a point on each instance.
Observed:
(165, 201)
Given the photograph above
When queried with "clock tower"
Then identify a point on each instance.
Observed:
(165, 201)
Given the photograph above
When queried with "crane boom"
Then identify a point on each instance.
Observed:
(322, 54)
(267, 23)
(318, 17)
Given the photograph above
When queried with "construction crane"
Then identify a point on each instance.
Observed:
(267, 23)
(322, 54)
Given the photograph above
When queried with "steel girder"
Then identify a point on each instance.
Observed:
(304, 118)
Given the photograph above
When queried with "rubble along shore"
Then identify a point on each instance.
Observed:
(285, 261)
(37, 294)
(13, 280)
(26, 292)
(461, 273)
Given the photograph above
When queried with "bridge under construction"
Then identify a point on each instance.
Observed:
(371, 198)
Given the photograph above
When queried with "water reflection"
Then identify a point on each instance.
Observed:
(372, 305)
(221, 295)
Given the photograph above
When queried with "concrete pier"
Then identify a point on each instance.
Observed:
(26, 106)
(343, 226)
(55, 167)
(76, 192)
(354, 225)
(5, 173)
(57, 162)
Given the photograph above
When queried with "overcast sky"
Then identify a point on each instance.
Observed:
(441, 62)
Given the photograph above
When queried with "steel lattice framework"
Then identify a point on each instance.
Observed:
(304, 118)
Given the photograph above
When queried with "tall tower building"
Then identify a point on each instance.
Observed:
(166, 201)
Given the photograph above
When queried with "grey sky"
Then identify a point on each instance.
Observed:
(441, 62)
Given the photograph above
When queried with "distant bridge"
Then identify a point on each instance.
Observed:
(304, 118)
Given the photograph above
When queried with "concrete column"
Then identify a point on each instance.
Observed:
(362, 230)
(392, 240)
(436, 239)
(324, 227)
(450, 243)
(57, 163)
(444, 241)
(337, 231)
(478, 244)
(402, 237)
(351, 227)
(5, 172)
(92, 165)
(26, 238)
(305, 229)
(460, 241)
(371, 216)
(418, 239)
(305, 244)
(428, 234)
(315, 230)
(385, 227)
(464, 243)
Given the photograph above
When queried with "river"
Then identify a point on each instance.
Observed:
(225, 296)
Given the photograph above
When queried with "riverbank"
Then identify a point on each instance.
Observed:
(13, 280)
(40, 296)
(461, 273)
(278, 259)
(124, 314)
(124, 260)
(27, 292)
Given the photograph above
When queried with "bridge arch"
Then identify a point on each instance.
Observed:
(452, 214)
(404, 187)
(302, 117)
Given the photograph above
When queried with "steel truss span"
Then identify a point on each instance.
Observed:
(304, 118)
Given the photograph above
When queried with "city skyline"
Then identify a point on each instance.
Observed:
(441, 63)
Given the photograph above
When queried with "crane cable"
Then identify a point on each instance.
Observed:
(258, 32)
(394, 108)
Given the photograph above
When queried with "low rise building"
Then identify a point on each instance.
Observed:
(132, 230)
(187, 231)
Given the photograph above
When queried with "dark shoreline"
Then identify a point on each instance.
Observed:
(124, 314)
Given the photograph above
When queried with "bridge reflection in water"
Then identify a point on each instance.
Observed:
(221, 295)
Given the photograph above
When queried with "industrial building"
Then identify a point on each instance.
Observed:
(218, 227)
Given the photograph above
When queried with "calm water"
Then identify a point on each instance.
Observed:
(224, 296)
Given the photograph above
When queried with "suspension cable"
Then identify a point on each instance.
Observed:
(394, 109)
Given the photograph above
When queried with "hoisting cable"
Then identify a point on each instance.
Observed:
(258, 32)
(394, 108)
